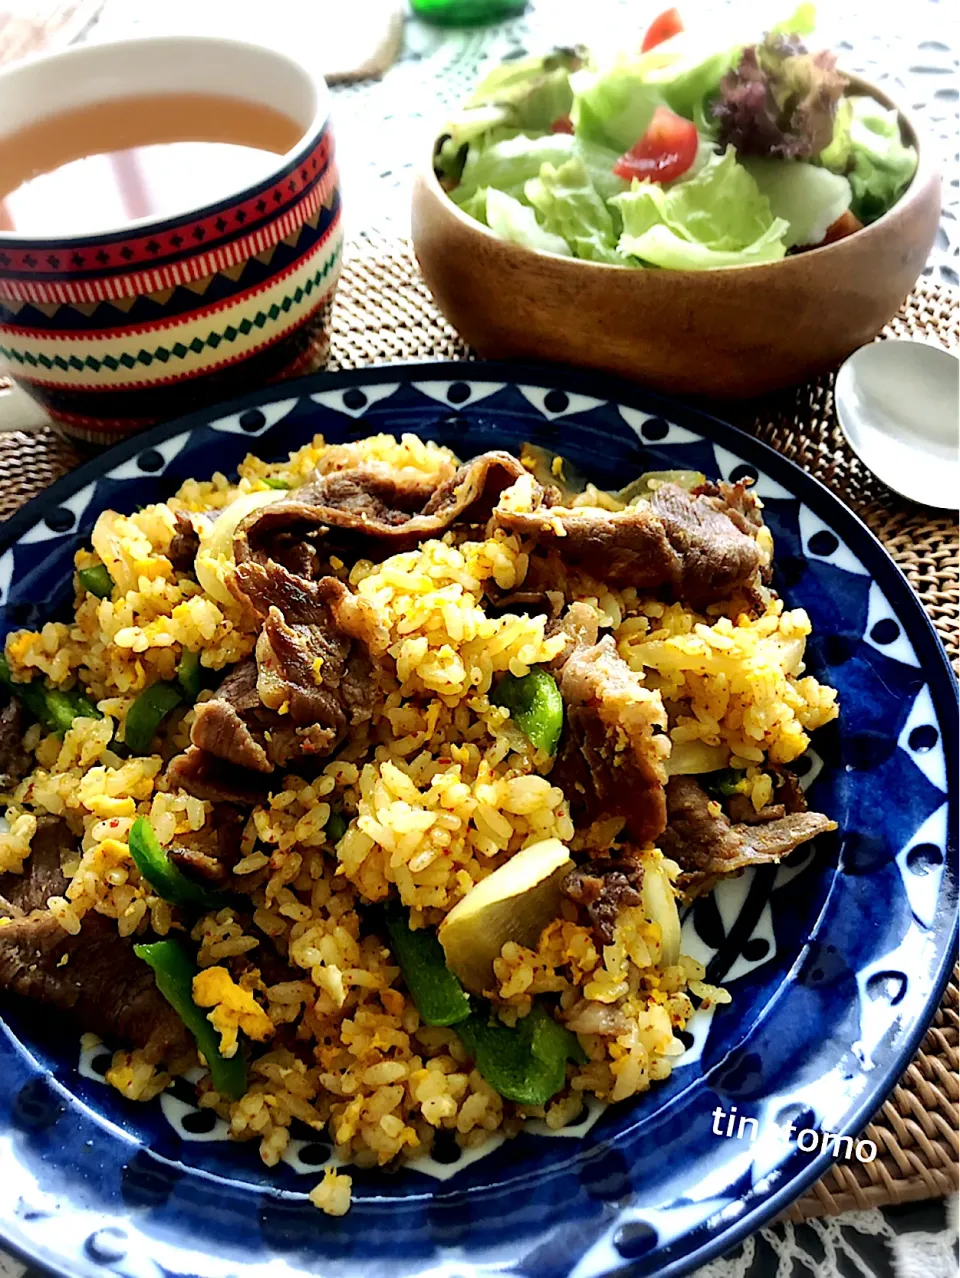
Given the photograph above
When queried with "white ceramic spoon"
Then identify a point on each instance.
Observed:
(897, 402)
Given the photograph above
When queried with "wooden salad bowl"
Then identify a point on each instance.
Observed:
(735, 332)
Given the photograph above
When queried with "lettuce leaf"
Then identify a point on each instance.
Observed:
(807, 197)
(716, 218)
(527, 95)
(524, 96)
(659, 246)
(516, 222)
(613, 108)
(508, 165)
(801, 22)
(690, 85)
(869, 149)
(779, 100)
(475, 205)
(569, 206)
(599, 161)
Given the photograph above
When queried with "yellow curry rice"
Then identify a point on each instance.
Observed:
(433, 794)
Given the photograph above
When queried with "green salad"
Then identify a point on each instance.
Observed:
(675, 155)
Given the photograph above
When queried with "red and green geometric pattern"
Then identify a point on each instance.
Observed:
(178, 350)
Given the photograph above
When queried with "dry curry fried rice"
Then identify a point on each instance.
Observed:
(370, 782)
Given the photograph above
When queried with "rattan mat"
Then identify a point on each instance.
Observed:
(384, 313)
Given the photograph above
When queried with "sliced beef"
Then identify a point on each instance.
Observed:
(316, 651)
(737, 501)
(207, 777)
(589, 1017)
(211, 852)
(603, 888)
(42, 875)
(580, 629)
(314, 677)
(530, 603)
(790, 793)
(774, 839)
(94, 977)
(676, 540)
(706, 845)
(227, 726)
(185, 543)
(370, 511)
(609, 765)
(715, 542)
(14, 760)
(741, 811)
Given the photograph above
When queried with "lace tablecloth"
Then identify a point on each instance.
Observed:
(383, 131)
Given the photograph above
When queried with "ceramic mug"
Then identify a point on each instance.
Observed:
(111, 332)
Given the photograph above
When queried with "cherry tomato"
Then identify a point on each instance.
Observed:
(666, 150)
(667, 24)
(563, 124)
(846, 224)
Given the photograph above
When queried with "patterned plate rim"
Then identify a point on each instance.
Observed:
(839, 517)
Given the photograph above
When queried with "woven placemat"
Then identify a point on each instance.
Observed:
(384, 314)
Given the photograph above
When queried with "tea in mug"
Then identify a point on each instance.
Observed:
(104, 165)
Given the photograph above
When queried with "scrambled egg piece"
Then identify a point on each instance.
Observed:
(234, 1009)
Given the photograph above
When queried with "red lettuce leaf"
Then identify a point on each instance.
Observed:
(779, 100)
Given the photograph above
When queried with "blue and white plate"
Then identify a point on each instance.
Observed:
(835, 961)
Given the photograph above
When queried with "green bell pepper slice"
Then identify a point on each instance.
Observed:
(49, 706)
(724, 784)
(535, 706)
(526, 1064)
(174, 970)
(438, 995)
(96, 580)
(188, 674)
(164, 877)
(147, 713)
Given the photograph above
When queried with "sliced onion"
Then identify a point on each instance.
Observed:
(215, 556)
(660, 906)
(693, 758)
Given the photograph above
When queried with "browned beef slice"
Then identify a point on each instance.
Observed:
(740, 810)
(185, 543)
(531, 603)
(675, 540)
(603, 888)
(14, 760)
(608, 763)
(367, 510)
(42, 875)
(775, 839)
(789, 792)
(372, 494)
(95, 976)
(701, 839)
(717, 554)
(207, 777)
(212, 852)
(226, 725)
(737, 501)
(312, 680)
(579, 628)
(238, 728)
(314, 651)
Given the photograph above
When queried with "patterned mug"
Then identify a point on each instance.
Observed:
(115, 331)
